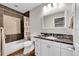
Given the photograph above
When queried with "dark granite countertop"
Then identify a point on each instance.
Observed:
(66, 41)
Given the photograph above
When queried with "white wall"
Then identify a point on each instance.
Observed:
(35, 22)
(35, 19)
(76, 24)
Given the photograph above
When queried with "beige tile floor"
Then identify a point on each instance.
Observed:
(20, 53)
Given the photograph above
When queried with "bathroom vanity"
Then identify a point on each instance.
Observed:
(52, 46)
(46, 23)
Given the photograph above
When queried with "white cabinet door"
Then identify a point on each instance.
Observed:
(66, 50)
(50, 48)
(44, 49)
(54, 51)
(37, 47)
(66, 53)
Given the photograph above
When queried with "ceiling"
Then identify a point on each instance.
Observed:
(21, 7)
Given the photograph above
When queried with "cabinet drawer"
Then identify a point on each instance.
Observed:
(66, 45)
(57, 44)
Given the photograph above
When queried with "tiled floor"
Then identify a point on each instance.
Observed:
(17, 53)
(20, 53)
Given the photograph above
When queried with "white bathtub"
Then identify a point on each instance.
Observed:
(13, 46)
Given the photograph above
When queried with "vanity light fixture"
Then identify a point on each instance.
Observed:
(49, 5)
(57, 4)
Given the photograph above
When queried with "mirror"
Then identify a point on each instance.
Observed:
(47, 22)
(54, 20)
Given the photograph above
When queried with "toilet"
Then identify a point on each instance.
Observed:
(28, 47)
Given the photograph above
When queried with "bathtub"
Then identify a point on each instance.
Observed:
(12, 47)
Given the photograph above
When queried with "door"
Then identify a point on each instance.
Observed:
(65, 52)
(50, 48)
(44, 49)
(54, 51)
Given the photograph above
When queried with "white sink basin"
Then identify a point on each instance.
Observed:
(51, 37)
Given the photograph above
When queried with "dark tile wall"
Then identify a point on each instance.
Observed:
(13, 37)
(27, 13)
(1, 17)
(13, 13)
(8, 11)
